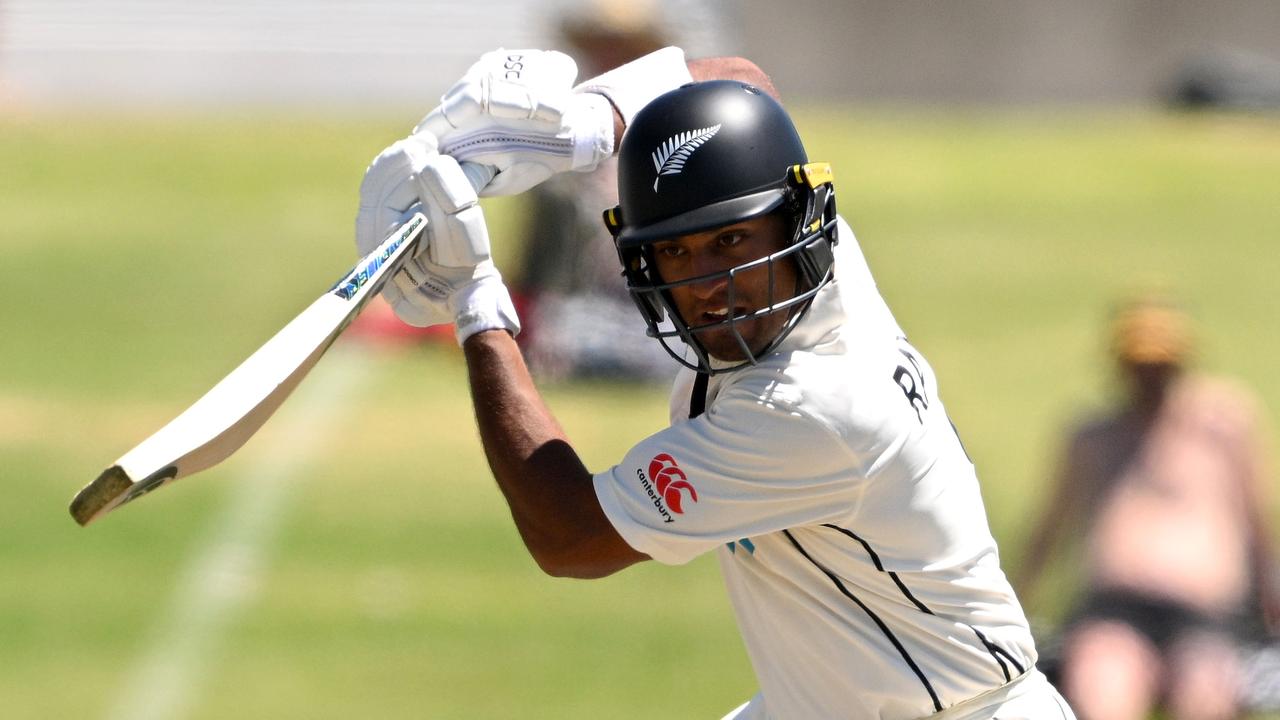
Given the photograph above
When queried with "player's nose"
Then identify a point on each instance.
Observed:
(711, 288)
(704, 264)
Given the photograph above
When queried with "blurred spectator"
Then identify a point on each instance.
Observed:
(1166, 495)
(579, 319)
(1227, 80)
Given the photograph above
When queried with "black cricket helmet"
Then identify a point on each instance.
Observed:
(707, 155)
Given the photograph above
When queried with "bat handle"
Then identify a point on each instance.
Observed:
(479, 175)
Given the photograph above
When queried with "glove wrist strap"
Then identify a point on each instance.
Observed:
(483, 305)
(593, 139)
(633, 85)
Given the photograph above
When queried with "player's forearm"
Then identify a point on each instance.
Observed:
(526, 448)
(547, 487)
(732, 68)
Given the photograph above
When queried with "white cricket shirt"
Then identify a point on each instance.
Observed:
(846, 515)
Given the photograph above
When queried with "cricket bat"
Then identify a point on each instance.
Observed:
(229, 414)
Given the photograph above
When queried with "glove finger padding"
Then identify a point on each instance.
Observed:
(515, 110)
(459, 236)
(470, 236)
(389, 194)
(519, 85)
(387, 190)
(531, 85)
(526, 153)
(450, 277)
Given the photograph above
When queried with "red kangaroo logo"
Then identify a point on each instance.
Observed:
(670, 480)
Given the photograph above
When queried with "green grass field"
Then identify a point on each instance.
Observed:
(146, 256)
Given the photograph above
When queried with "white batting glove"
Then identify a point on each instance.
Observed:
(452, 277)
(515, 110)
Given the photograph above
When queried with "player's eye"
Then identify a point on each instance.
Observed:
(731, 239)
(670, 251)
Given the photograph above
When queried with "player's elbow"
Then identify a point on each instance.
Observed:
(571, 537)
(583, 556)
(563, 567)
(570, 560)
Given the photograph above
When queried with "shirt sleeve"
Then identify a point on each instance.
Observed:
(745, 468)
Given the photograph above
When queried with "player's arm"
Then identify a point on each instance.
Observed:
(731, 68)
(548, 489)
(453, 279)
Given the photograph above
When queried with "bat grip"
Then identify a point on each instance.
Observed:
(479, 175)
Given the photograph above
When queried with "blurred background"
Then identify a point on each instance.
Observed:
(177, 180)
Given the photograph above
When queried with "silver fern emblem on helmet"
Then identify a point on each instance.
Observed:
(670, 157)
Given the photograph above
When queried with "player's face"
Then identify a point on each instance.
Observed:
(707, 303)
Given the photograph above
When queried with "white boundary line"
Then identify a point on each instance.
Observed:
(224, 573)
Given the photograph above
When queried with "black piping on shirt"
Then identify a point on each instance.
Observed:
(995, 650)
(937, 704)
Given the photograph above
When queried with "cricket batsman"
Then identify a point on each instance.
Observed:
(808, 446)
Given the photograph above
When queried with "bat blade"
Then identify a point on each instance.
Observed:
(221, 421)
